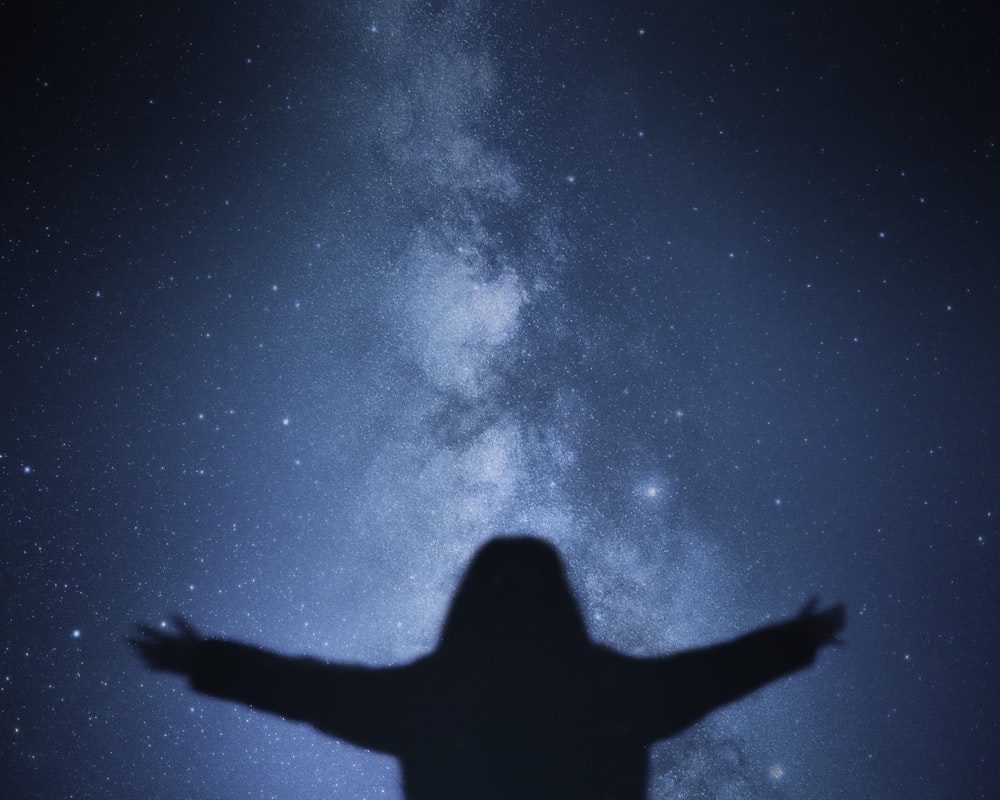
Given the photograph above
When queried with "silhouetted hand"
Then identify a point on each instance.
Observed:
(823, 626)
(163, 649)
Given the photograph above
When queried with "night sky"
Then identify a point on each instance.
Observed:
(302, 303)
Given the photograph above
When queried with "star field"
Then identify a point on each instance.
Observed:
(303, 303)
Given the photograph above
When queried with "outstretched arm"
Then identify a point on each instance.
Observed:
(680, 689)
(363, 705)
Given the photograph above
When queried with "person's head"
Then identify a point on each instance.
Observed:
(514, 589)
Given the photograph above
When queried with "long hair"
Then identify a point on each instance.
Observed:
(515, 590)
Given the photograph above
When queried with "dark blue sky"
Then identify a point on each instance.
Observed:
(303, 303)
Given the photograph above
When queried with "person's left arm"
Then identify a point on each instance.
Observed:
(363, 705)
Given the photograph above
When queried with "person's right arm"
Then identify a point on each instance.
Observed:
(676, 691)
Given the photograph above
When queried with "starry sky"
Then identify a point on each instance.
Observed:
(303, 301)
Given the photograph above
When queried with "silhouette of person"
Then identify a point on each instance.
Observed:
(516, 701)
